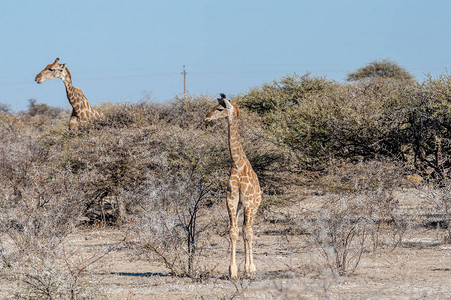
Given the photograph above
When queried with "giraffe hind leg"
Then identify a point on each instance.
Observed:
(248, 235)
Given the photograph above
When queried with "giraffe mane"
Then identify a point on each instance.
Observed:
(68, 74)
(235, 106)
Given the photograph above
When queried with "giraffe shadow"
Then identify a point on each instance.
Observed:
(138, 274)
(264, 275)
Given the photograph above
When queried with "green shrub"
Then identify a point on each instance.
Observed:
(320, 120)
(380, 69)
(282, 94)
(429, 126)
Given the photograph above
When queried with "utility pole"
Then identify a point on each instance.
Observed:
(184, 83)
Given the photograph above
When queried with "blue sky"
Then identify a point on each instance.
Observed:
(121, 51)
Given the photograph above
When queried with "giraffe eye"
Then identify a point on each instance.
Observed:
(50, 69)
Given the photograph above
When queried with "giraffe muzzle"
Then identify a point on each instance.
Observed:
(38, 79)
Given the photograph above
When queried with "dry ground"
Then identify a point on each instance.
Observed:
(288, 267)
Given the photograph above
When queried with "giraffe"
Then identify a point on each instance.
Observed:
(243, 187)
(82, 111)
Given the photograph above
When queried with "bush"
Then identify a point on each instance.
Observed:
(40, 206)
(35, 109)
(282, 94)
(349, 224)
(177, 220)
(53, 275)
(380, 69)
(320, 120)
(429, 127)
(4, 108)
(349, 122)
(110, 160)
(51, 179)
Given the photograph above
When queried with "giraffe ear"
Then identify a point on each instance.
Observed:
(63, 66)
(227, 103)
(220, 101)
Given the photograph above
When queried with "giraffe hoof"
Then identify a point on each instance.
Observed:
(250, 271)
(233, 271)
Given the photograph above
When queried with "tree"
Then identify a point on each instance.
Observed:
(42, 109)
(4, 108)
(381, 69)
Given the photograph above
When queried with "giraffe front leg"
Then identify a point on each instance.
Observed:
(74, 120)
(233, 268)
(232, 207)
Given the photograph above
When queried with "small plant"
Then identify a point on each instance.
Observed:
(443, 199)
(341, 232)
(375, 181)
(176, 214)
(53, 274)
(441, 195)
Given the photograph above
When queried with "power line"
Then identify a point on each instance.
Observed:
(184, 73)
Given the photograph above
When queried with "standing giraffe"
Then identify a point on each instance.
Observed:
(243, 188)
(82, 111)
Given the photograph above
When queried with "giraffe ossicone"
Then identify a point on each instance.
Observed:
(243, 188)
(82, 111)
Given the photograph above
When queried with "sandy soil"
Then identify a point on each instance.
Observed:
(288, 267)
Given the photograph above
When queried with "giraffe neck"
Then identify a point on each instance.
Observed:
(73, 95)
(235, 147)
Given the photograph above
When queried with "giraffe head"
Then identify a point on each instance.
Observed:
(53, 70)
(224, 109)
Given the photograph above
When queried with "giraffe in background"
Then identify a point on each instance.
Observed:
(243, 188)
(82, 111)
